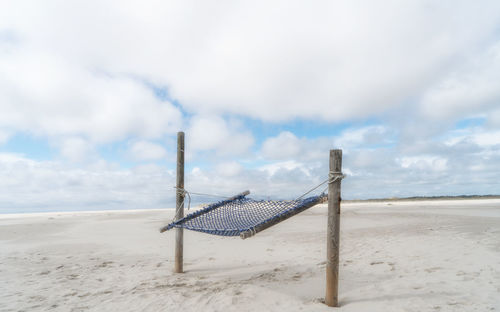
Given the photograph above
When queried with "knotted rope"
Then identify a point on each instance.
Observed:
(334, 176)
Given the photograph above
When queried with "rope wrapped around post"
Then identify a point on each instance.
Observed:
(183, 192)
(334, 176)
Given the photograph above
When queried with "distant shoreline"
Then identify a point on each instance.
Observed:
(375, 200)
(422, 198)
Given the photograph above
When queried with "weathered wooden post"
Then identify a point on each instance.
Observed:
(179, 204)
(333, 230)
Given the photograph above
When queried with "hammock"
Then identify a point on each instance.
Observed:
(241, 216)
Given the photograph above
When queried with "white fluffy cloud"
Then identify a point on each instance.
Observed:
(285, 146)
(76, 149)
(47, 96)
(4, 136)
(458, 162)
(481, 137)
(210, 132)
(424, 163)
(470, 88)
(229, 169)
(268, 60)
(365, 137)
(47, 185)
(143, 150)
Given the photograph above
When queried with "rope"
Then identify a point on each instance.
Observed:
(324, 190)
(182, 192)
(203, 194)
(334, 176)
(312, 189)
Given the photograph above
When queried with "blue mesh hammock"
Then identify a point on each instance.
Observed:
(241, 216)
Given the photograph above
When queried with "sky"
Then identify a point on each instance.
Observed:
(93, 93)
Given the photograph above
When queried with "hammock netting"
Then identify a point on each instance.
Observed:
(243, 215)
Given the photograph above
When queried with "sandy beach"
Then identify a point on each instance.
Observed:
(395, 256)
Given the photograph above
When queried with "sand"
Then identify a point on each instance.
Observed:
(398, 256)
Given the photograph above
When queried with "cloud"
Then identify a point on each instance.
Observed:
(340, 61)
(76, 149)
(275, 167)
(230, 169)
(470, 88)
(424, 163)
(210, 132)
(494, 118)
(454, 167)
(487, 138)
(49, 95)
(143, 150)
(479, 137)
(378, 165)
(274, 61)
(4, 137)
(366, 137)
(52, 186)
(285, 180)
(285, 145)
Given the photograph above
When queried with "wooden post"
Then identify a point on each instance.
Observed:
(179, 204)
(333, 230)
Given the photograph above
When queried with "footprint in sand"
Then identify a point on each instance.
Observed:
(433, 269)
(72, 276)
(297, 276)
(104, 264)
